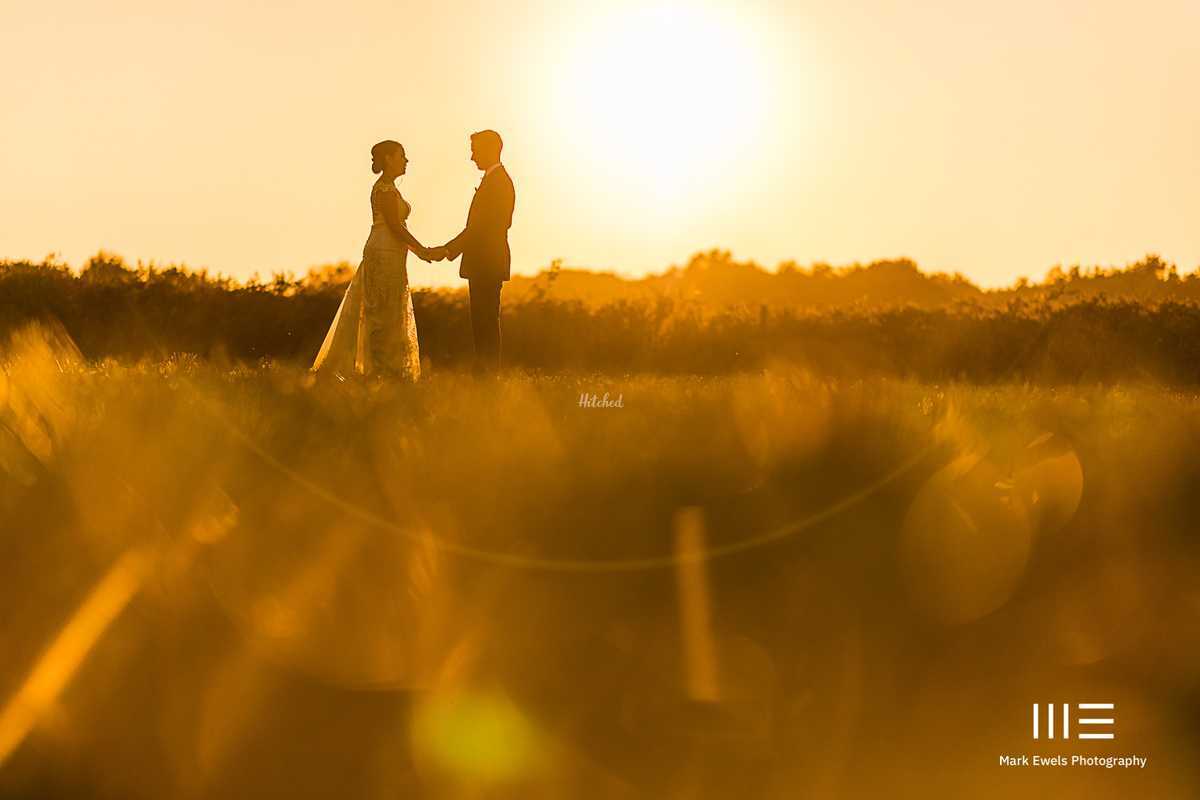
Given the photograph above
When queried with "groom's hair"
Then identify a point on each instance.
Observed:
(489, 139)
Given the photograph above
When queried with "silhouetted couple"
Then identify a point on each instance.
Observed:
(373, 331)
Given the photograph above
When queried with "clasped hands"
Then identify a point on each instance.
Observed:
(431, 254)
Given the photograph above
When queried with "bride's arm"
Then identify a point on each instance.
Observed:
(391, 215)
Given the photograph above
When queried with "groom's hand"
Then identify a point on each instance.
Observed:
(437, 253)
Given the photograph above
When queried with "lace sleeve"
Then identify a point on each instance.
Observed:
(385, 195)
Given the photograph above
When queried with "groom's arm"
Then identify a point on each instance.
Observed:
(455, 246)
(489, 210)
(491, 215)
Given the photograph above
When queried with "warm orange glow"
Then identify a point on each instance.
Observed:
(995, 141)
(668, 93)
(70, 647)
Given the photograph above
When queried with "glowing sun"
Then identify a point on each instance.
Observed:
(663, 95)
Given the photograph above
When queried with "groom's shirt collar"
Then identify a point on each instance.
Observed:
(492, 168)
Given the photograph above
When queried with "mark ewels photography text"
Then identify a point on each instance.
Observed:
(1107, 762)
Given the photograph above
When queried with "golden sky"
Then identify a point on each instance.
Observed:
(995, 139)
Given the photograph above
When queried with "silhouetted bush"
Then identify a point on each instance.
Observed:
(1141, 323)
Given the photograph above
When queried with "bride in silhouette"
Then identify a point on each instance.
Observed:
(373, 331)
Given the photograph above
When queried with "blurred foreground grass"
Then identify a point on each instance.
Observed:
(234, 583)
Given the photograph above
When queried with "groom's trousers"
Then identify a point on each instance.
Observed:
(485, 323)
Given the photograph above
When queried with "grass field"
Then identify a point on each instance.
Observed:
(234, 583)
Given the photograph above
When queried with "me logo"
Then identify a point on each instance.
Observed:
(1066, 721)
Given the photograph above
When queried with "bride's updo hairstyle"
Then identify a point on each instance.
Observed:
(383, 151)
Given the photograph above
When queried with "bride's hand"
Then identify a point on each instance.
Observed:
(425, 254)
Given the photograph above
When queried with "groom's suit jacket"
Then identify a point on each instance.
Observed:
(484, 242)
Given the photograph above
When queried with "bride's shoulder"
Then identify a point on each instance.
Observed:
(382, 190)
(383, 187)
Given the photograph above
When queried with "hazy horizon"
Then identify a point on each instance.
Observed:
(991, 142)
(625, 275)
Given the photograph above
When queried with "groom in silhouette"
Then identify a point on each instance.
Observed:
(483, 245)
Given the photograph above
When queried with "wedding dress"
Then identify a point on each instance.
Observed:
(374, 331)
